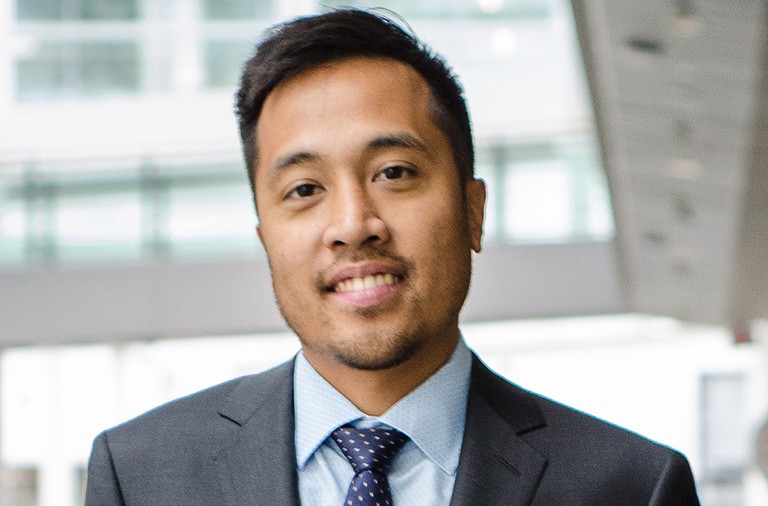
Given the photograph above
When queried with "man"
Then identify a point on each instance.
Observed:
(359, 152)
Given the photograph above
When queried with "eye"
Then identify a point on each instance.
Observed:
(395, 172)
(304, 190)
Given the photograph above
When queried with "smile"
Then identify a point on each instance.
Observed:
(365, 282)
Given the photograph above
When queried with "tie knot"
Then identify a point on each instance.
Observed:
(369, 449)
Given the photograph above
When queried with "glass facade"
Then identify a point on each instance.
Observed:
(237, 10)
(132, 214)
(222, 61)
(544, 186)
(78, 69)
(543, 193)
(464, 9)
(58, 10)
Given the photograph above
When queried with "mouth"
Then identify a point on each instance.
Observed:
(366, 285)
(367, 282)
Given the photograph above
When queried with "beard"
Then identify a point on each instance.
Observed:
(364, 350)
(379, 362)
(374, 350)
(368, 350)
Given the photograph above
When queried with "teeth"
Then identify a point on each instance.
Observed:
(365, 283)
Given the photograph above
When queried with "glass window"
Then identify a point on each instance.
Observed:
(78, 69)
(212, 218)
(599, 222)
(550, 192)
(538, 205)
(592, 213)
(237, 9)
(13, 222)
(523, 9)
(99, 225)
(41, 10)
(223, 60)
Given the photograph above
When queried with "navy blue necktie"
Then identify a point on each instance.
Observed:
(370, 452)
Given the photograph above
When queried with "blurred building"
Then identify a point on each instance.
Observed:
(130, 272)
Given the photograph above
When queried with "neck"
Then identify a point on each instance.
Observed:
(375, 391)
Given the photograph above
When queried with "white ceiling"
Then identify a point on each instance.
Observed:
(680, 94)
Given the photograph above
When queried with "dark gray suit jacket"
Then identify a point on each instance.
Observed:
(233, 445)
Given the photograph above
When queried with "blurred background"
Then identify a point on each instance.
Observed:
(626, 249)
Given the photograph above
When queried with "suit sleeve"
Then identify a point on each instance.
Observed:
(102, 487)
(675, 486)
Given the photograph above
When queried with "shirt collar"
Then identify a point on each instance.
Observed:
(432, 415)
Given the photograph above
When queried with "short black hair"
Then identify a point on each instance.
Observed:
(310, 42)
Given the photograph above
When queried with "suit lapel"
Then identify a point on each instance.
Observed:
(497, 467)
(257, 456)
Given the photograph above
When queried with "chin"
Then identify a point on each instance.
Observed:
(378, 352)
(373, 363)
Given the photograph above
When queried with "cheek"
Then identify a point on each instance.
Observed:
(291, 285)
(444, 221)
(284, 256)
(435, 235)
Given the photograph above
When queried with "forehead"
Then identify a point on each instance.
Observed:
(352, 99)
(354, 82)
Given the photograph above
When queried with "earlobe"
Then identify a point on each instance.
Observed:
(475, 191)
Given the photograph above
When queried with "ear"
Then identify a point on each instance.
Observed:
(258, 232)
(475, 201)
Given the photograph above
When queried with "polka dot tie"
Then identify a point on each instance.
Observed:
(370, 452)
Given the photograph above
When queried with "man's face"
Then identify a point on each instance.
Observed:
(367, 225)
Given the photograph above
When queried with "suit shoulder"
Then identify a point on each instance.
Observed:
(608, 463)
(588, 460)
(175, 448)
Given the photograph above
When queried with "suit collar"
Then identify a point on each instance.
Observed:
(257, 458)
(497, 466)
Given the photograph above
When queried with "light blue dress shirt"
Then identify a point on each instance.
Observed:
(432, 415)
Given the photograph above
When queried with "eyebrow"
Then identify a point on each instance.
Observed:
(395, 140)
(297, 158)
(399, 140)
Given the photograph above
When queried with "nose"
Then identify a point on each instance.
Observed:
(354, 219)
